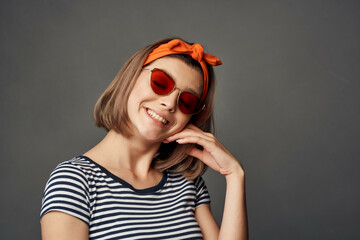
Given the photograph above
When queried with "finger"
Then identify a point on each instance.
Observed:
(189, 133)
(192, 126)
(196, 153)
(199, 154)
(197, 129)
(206, 144)
(191, 138)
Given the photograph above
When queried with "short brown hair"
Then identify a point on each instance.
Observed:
(110, 112)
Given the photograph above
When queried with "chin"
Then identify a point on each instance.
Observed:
(151, 136)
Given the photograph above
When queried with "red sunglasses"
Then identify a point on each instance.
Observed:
(163, 84)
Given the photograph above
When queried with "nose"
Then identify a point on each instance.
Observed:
(169, 102)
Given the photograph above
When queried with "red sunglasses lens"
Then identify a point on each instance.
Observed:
(161, 83)
(188, 103)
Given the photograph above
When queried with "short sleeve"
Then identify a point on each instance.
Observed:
(202, 194)
(67, 191)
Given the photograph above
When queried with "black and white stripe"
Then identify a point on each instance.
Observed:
(113, 209)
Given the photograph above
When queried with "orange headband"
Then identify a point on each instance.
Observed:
(196, 51)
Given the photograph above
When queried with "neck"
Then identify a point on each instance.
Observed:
(119, 152)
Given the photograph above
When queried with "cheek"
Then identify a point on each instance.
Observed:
(139, 92)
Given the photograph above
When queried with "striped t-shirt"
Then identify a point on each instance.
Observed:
(113, 209)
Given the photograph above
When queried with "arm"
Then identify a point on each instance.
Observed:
(234, 222)
(61, 226)
(216, 156)
(65, 212)
(207, 223)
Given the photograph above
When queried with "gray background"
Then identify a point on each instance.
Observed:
(287, 104)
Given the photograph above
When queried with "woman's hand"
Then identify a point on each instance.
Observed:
(214, 154)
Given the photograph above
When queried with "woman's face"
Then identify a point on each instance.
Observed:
(149, 111)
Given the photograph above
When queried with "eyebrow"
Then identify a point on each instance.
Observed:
(188, 90)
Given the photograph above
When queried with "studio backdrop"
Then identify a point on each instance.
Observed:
(287, 103)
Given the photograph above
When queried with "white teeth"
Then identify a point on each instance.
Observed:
(156, 117)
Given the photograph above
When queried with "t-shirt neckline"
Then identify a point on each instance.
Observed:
(126, 184)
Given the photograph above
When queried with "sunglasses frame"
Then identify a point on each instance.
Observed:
(180, 91)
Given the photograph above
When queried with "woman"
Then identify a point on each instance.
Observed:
(142, 181)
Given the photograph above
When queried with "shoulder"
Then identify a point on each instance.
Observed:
(177, 179)
(74, 172)
(77, 164)
(194, 187)
(199, 182)
(67, 189)
(180, 178)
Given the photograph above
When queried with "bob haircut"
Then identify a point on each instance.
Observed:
(110, 112)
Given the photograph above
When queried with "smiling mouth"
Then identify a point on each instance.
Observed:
(155, 116)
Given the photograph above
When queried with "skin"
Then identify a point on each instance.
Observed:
(132, 161)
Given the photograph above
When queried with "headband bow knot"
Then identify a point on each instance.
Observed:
(196, 51)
